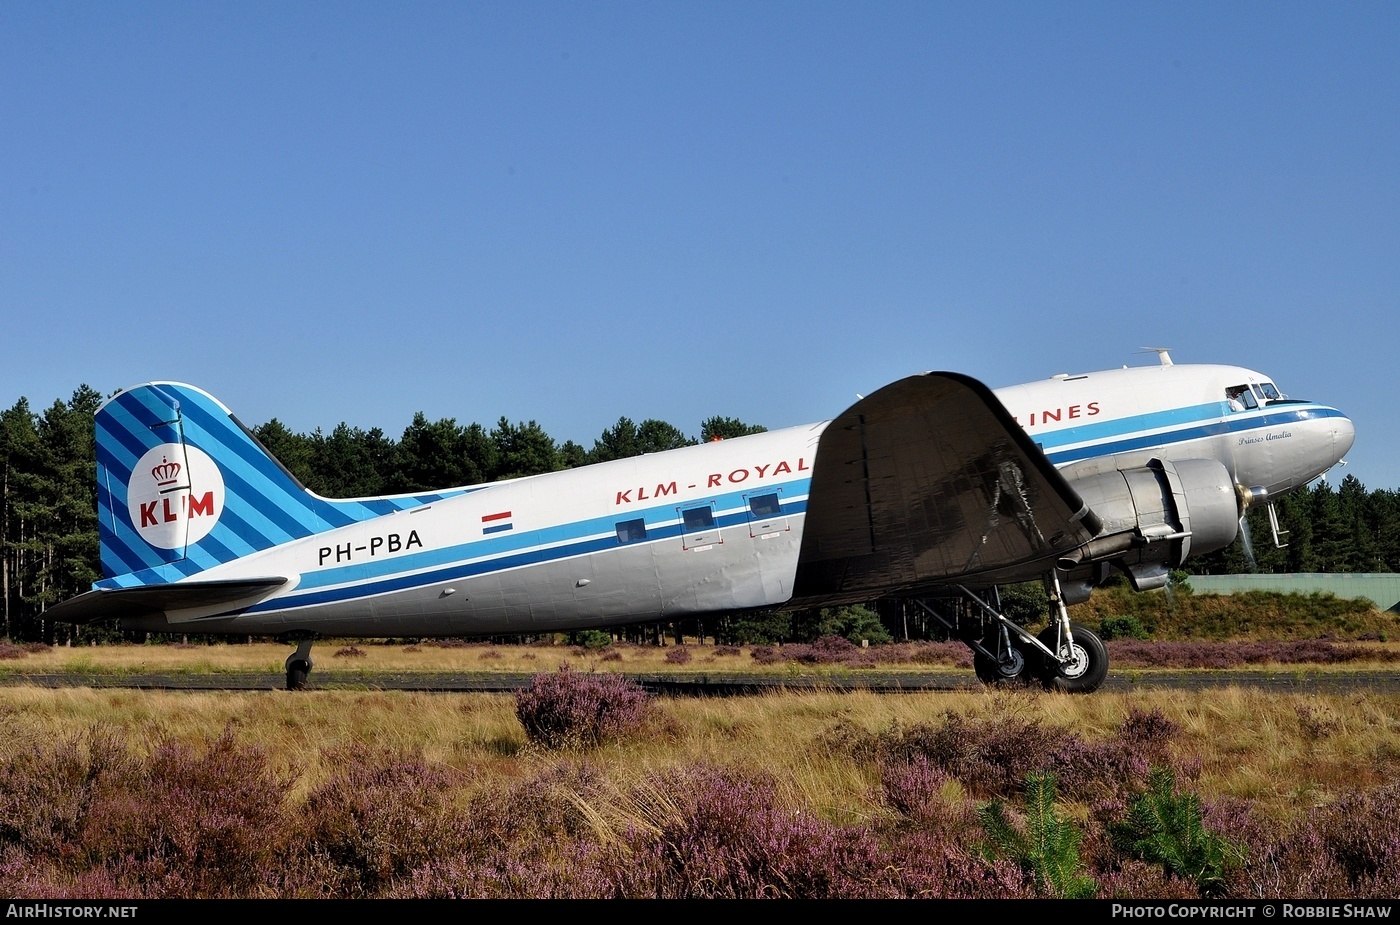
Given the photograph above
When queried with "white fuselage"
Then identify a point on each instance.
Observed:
(1119, 419)
(717, 527)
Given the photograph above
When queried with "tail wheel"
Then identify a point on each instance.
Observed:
(297, 672)
(1011, 669)
(1084, 663)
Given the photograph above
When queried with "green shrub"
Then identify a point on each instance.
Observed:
(1179, 581)
(592, 639)
(1129, 627)
(855, 623)
(1025, 603)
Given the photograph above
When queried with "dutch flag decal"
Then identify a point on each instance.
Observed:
(496, 523)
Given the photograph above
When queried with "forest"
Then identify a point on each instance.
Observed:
(48, 519)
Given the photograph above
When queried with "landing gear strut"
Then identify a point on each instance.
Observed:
(1064, 657)
(299, 665)
(1075, 659)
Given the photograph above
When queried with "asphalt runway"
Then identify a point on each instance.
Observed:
(1299, 680)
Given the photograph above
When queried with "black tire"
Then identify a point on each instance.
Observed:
(1087, 668)
(1016, 671)
(296, 676)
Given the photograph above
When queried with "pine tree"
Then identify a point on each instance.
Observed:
(352, 463)
(294, 451)
(1046, 846)
(1168, 828)
(719, 428)
(523, 449)
(19, 465)
(440, 454)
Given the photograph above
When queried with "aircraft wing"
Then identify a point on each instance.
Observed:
(148, 600)
(930, 481)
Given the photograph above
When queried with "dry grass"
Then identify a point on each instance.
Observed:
(360, 655)
(1282, 752)
(374, 656)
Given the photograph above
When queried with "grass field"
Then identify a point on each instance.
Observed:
(138, 794)
(371, 656)
(1281, 751)
(1276, 767)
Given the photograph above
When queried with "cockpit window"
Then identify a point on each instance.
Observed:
(1270, 393)
(1240, 397)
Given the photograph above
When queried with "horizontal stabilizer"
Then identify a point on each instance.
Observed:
(154, 600)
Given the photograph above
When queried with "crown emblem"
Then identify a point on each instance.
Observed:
(166, 472)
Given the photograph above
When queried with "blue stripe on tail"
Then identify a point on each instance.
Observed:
(183, 487)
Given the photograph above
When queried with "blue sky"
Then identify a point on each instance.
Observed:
(571, 212)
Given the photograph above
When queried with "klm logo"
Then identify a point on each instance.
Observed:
(175, 495)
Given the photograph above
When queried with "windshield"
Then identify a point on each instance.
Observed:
(1239, 397)
(1248, 396)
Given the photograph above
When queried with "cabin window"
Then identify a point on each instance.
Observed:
(700, 531)
(631, 531)
(698, 518)
(765, 505)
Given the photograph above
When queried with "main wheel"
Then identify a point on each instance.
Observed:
(1011, 670)
(1086, 662)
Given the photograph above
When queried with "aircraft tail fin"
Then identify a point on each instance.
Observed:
(183, 486)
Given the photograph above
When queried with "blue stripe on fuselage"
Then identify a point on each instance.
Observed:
(534, 556)
(512, 551)
(554, 536)
(1130, 431)
(1101, 432)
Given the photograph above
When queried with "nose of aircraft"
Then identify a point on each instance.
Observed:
(1296, 453)
(1343, 434)
(1334, 434)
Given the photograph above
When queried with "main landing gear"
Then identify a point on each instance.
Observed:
(299, 665)
(1063, 657)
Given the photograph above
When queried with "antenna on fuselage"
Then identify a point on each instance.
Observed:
(1162, 356)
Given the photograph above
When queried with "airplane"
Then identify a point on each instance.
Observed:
(932, 484)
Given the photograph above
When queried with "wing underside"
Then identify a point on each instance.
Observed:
(930, 481)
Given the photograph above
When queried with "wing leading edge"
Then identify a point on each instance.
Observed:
(927, 481)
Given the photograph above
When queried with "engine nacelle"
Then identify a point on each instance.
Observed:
(1155, 516)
